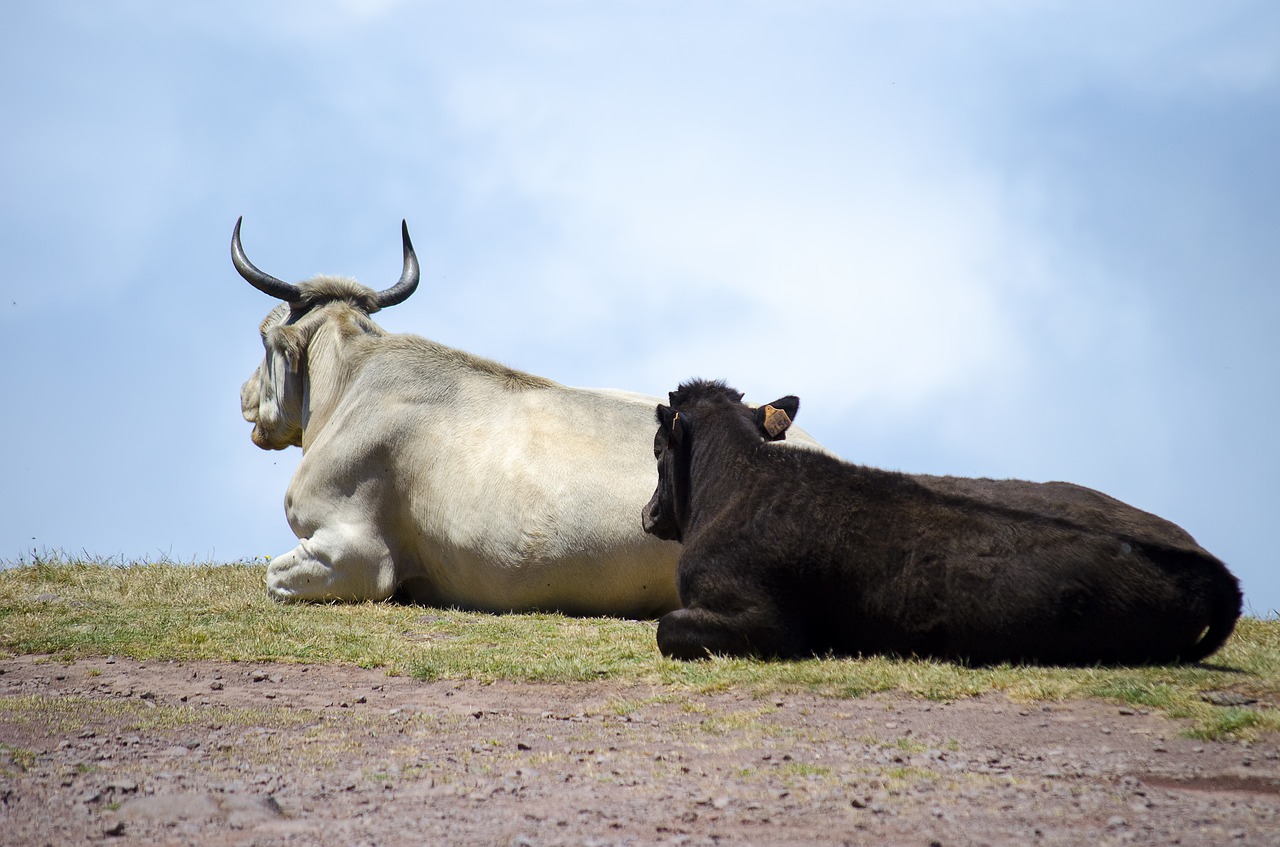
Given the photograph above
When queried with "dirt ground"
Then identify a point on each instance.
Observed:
(115, 751)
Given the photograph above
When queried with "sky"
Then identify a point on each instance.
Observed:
(1035, 240)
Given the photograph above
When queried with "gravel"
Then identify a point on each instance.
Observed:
(115, 751)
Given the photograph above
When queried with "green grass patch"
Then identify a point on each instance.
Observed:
(15, 761)
(66, 716)
(182, 612)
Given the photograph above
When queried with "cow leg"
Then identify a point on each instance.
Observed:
(333, 564)
(696, 633)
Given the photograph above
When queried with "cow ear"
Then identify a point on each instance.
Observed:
(774, 419)
(671, 421)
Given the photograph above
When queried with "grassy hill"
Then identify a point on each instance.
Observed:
(70, 609)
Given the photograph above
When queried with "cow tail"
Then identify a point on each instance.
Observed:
(1225, 604)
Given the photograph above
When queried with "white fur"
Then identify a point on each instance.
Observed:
(460, 481)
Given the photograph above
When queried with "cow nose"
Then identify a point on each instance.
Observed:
(651, 515)
(646, 519)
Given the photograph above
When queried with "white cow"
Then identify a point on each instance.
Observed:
(446, 477)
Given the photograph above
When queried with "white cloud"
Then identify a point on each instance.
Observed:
(867, 243)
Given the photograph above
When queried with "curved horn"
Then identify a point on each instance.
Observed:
(265, 283)
(400, 292)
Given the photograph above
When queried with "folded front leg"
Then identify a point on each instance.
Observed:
(334, 563)
(696, 633)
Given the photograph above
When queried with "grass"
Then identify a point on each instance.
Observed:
(72, 609)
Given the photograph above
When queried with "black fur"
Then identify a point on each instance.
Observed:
(791, 552)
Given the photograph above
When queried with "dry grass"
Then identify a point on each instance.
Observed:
(167, 611)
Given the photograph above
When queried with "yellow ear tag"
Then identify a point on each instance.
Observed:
(776, 421)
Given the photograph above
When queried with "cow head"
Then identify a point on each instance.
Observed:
(668, 509)
(273, 398)
(667, 513)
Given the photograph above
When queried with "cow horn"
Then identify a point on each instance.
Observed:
(400, 292)
(265, 283)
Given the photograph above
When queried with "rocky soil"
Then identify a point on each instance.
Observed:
(105, 751)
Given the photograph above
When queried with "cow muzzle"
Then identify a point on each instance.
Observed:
(657, 523)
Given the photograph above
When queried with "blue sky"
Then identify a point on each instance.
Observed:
(1030, 239)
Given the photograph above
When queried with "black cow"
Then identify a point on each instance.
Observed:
(793, 552)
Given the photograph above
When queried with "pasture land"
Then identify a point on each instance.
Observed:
(184, 612)
(163, 704)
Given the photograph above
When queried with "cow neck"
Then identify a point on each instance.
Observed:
(330, 369)
(720, 453)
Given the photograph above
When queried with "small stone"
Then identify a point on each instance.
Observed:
(1227, 698)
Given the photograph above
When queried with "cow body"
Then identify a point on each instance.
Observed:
(445, 477)
(789, 553)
